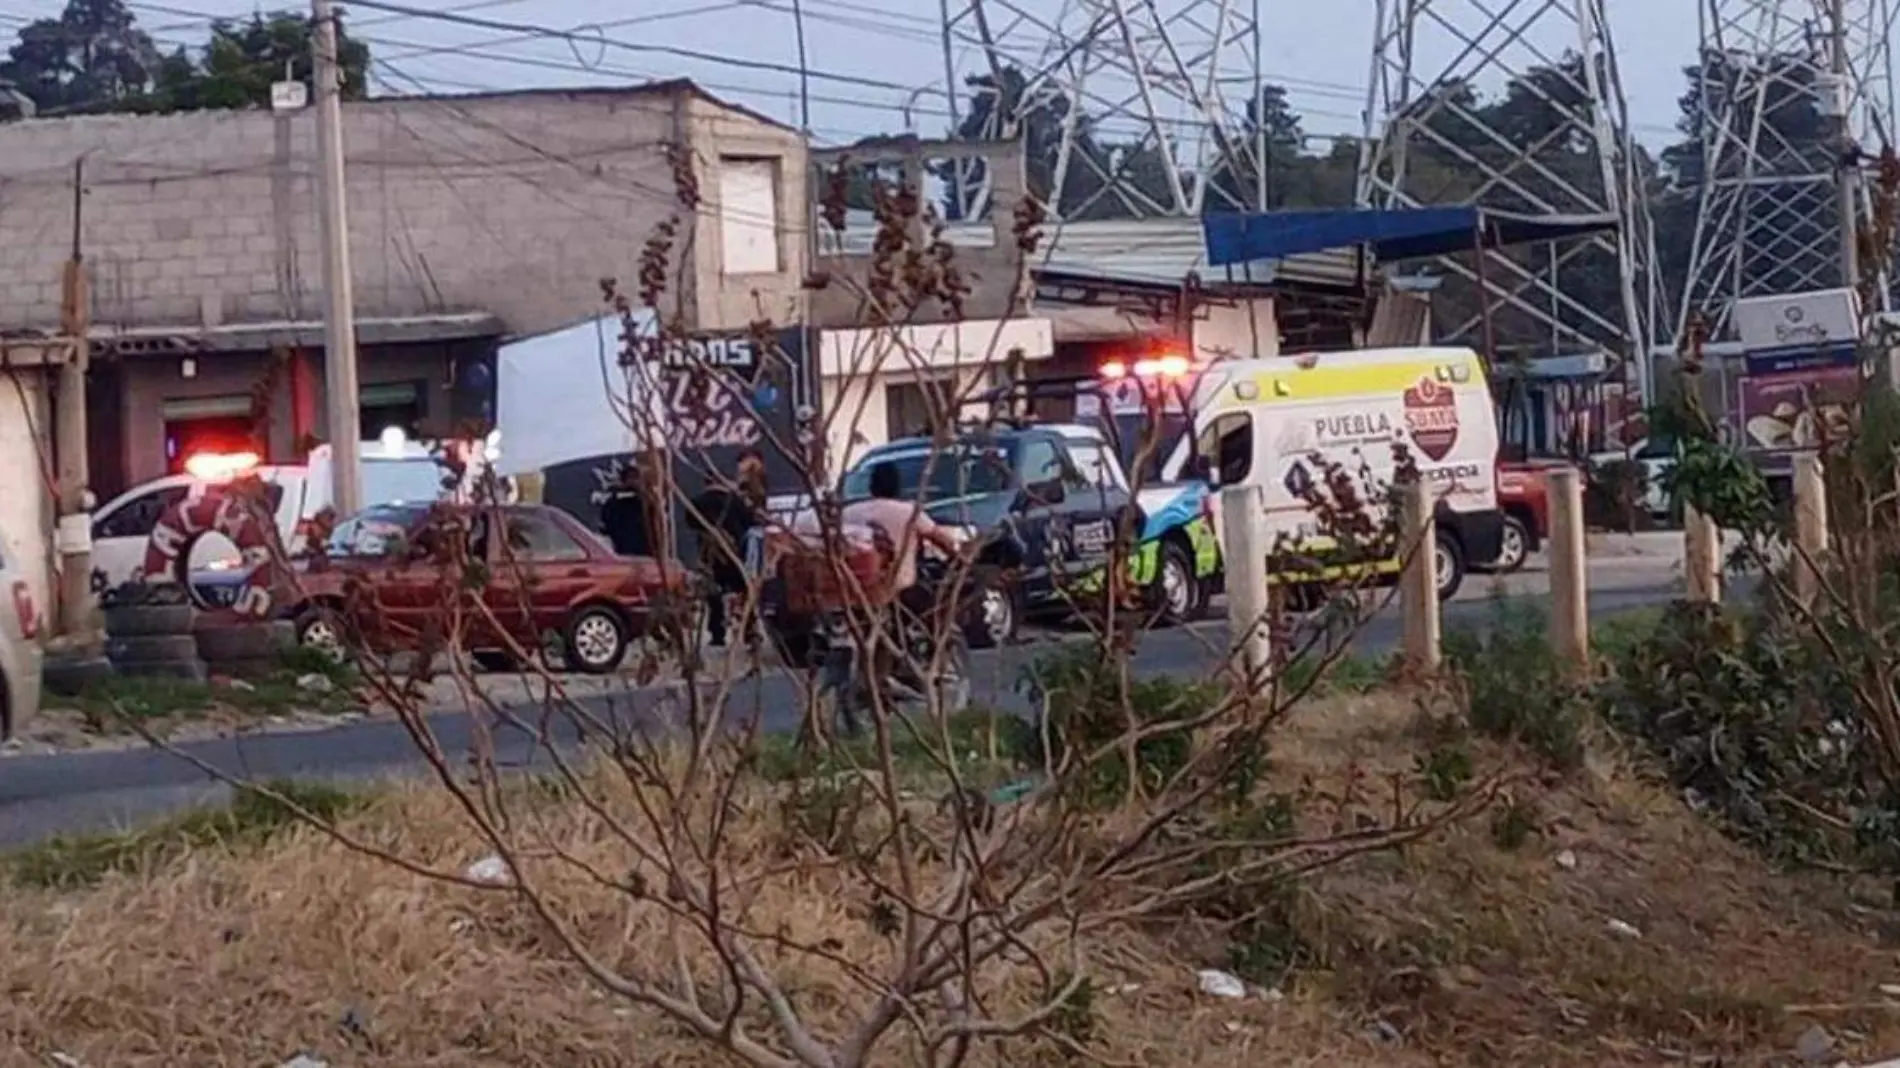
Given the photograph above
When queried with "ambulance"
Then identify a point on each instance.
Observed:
(1278, 423)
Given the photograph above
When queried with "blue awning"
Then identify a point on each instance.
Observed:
(1394, 234)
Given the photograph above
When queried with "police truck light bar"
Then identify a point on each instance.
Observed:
(1158, 367)
(220, 466)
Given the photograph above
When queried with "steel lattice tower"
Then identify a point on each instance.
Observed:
(1766, 189)
(1166, 77)
(1431, 138)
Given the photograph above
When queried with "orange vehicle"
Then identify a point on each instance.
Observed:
(1524, 498)
(548, 574)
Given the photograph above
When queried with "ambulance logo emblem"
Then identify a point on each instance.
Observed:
(1431, 415)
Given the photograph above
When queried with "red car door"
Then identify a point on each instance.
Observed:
(392, 586)
(547, 570)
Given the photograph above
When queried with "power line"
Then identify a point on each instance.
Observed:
(880, 22)
(420, 51)
(595, 34)
(575, 37)
(543, 63)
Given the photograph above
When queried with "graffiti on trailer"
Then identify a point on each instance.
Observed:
(703, 414)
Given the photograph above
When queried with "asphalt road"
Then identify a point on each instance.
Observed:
(91, 791)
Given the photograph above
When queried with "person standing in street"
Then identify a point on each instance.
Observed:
(723, 517)
(623, 516)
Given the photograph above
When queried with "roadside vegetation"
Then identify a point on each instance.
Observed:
(300, 687)
(1685, 855)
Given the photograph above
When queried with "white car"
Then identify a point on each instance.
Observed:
(1656, 460)
(122, 527)
(21, 660)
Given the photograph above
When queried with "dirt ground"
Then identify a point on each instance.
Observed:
(1588, 920)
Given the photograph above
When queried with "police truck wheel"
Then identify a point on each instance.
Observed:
(1177, 594)
(1514, 547)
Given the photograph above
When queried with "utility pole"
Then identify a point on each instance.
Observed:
(73, 535)
(1846, 165)
(339, 321)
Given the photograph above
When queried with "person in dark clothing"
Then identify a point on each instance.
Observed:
(623, 516)
(723, 516)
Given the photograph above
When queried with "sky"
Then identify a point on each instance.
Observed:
(871, 58)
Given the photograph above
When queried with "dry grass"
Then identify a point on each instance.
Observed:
(1478, 955)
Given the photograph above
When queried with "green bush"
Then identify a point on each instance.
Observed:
(1089, 704)
(1514, 686)
(1751, 720)
(917, 746)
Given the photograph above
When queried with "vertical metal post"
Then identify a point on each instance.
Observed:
(73, 535)
(1702, 556)
(1846, 170)
(342, 396)
(1243, 515)
(1810, 526)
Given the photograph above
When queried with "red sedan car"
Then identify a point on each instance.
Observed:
(391, 578)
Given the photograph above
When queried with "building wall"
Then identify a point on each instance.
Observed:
(857, 410)
(1244, 330)
(858, 368)
(513, 204)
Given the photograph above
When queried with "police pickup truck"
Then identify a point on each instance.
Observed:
(1050, 500)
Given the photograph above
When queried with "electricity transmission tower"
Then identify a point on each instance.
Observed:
(1127, 108)
(1787, 90)
(1517, 105)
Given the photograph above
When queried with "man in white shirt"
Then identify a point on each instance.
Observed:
(905, 521)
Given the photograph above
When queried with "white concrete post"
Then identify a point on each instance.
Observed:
(1569, 577)
(1418, 582)
(1702, 556)
(1244, 547)
(1810, 526)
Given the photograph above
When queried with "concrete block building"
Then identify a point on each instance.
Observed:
(470, 218)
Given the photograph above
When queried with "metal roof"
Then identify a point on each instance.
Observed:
(307, 333)
(1392, 233)
(1165, 251)
(1160, 252)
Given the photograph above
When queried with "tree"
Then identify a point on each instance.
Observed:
(1100, 178)
(242, 59)
(1292, 179)
(1770, 103)
(91, 56)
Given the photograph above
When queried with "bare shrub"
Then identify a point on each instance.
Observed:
(978, 851)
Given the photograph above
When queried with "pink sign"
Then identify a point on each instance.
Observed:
(1799, 410)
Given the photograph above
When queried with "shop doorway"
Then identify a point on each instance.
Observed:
(208, 425)
(395, 404)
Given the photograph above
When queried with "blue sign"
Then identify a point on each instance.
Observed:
(1791, 359)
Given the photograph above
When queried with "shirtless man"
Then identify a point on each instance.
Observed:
(907, 524)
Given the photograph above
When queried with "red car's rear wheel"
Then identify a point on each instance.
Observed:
(596, 640)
